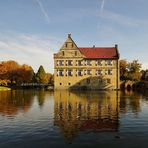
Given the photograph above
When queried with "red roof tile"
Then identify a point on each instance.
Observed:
(99, 52)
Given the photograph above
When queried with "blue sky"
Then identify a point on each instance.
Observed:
(32, 30)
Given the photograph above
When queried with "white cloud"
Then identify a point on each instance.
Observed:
(33, 50)
(43, 11)
(102, 6)
(123, 20)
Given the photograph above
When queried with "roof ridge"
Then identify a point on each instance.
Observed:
(99, 52)
(96, 47)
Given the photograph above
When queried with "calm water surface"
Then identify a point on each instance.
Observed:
(31, 118)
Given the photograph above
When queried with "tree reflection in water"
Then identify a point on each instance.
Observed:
(13, 102)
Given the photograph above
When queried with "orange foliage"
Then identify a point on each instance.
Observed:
(15, 73)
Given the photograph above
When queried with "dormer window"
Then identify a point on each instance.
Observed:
(75, 53)
(63, 53)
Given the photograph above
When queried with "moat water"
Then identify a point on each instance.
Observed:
(40, 119)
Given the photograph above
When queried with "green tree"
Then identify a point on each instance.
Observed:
(41, 75)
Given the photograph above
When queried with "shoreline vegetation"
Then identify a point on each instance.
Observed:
(16, 76)
(3, 88)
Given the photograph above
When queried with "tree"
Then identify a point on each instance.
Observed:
(8, 70)
(134, 70)
(25, 74)
(11, 71)
(123, 69)
(144, 75)
(130, 70)
(41, 75)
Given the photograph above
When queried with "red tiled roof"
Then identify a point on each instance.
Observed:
(99, 52)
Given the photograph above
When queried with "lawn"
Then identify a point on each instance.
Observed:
(4, 88)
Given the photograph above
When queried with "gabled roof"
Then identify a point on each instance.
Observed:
(99, 52)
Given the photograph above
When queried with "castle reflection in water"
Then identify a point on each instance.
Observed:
(86, 111)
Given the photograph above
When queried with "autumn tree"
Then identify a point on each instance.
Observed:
(134, 70)
(8, 70)
(123, 69)
(25, 74)
(11, 71)
(15, 74)
(130, 70)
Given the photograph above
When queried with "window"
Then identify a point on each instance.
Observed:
(99, 62)
(88, 62)
(108, 72)
(88, 72)
(63, 53)
(79, 62)
(69, 62)
(60, 73)
(69, 72)
(98, 72)
(79, 72)
(72, 45)
(69, 84)
(60, 63)
(75, 53)
(109, 62)
(60, 83)
(65, 44)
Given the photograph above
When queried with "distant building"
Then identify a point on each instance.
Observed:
(86, 67)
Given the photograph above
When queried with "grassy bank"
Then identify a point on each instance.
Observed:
(4, 88)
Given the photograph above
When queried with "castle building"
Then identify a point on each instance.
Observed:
(86, 67)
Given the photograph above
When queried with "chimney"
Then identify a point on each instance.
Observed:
(69, 35)
(93, 46)
(116, 46)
